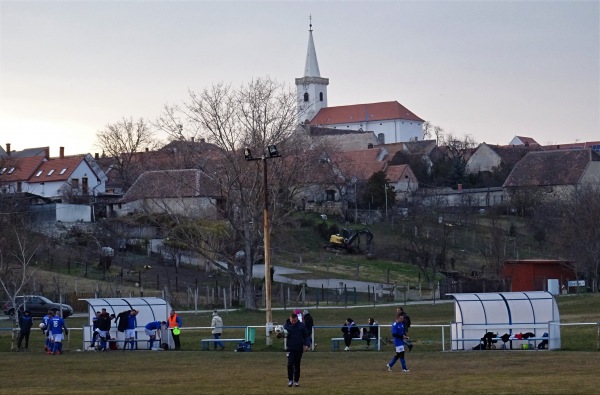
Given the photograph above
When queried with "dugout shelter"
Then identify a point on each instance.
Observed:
(149, 309)
(511, 313)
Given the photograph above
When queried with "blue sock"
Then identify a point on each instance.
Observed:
(151, 343)
(393, 361)
(403, 362)
(132, 344)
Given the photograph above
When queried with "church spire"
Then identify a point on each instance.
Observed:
(311, 89)
(311, 67)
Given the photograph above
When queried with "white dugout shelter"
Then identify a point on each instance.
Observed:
(149, 310)
(509, 312)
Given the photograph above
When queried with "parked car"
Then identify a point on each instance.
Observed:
(38, 306)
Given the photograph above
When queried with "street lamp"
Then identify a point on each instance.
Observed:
(270, 152)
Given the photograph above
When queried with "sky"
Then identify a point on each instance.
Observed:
(488, 69)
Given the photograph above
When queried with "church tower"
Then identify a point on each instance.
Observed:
(311, 89)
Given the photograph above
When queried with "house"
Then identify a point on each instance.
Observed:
(38, 151)
(533, 274)
(491, 158)
(16, 172)
(522, 140)
(402, 178)
(67, 179)
(555, 174)
(181, 191)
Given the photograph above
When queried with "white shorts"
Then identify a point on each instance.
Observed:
(150, 332)
(129, 333)
(102, 334)
(400, 348)
(58, 338)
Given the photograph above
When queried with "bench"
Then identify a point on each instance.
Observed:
(335, 342)
(122, 341)
(206, 342)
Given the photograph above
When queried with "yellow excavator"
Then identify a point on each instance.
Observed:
(349, 241)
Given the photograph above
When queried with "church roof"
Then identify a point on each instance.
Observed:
(364, 113)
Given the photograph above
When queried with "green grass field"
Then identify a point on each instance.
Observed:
(572, 370)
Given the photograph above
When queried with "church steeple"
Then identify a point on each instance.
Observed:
(311, 89)
(311, 68)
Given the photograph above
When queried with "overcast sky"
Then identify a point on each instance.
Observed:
(491, 69)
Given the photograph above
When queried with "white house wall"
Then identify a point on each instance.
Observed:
(483, 159)
(394, 131)
(73, 213)
(52, 189)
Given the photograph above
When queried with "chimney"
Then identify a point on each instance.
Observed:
(47, 152)
(62, 152)
(8, 149)
(96, 156)
(202, 140)
(459, 187)
(147, 149)
(192, 139)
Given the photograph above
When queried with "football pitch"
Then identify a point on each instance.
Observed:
(185, 372)
(572, 370)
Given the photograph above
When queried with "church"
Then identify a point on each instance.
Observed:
(390, 121)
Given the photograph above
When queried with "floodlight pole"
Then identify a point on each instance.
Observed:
(271, 152)
(267, 246)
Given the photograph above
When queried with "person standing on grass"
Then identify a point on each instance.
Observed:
(401, 311)
(151, 329)
(309, 323)
(46, 330)
(297, 343)
(174, 324)
(131, 324)
(103, 329)
(399, 336)
(57, 325)
(217, 324)
(25, 324)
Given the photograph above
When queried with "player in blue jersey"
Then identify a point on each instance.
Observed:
(130, 329)
(46, 329)
(151, 329)
(57, 325)
(399, 336)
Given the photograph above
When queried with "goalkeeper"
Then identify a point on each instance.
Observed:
(298, 341)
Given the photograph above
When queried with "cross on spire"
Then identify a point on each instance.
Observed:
(310, 23)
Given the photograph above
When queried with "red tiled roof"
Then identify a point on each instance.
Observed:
(528, 140)
(23, 167)
(51, 169)
(363, 112)
(394, 173)
(361, 164)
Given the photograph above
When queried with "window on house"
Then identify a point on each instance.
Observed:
(62, 171)
(84, 185)
(3, 170)
(39, 173)
(305, 96)
(19, 187)
(11, 170)
(321, 96)
(75, 183)
(381, 138)
(330, 195)
(50, 172)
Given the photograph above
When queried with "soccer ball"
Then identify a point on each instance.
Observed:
(42, 326)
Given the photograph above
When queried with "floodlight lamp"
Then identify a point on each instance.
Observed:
(247, 154)
(273, 152)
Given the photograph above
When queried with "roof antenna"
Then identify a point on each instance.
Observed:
(310, 23)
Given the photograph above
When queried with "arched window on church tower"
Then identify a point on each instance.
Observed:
(321, 96)
(381, 138)
(305, 96)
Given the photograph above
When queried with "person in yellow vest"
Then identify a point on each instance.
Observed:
(174, 325)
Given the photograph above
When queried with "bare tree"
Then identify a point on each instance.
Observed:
(255, 115)
(121, 141)
(579, 231)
